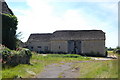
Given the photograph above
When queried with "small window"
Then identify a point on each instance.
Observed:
(59, 47)
(46, 48)
(31, 47)
(39, 46)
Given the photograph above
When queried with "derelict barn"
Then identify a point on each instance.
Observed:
(85, 42)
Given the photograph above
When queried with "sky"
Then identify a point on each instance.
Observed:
(47, 16)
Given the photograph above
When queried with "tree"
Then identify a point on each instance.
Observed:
(9, 27)
(19, 43)
(117, 50)
(118, 47)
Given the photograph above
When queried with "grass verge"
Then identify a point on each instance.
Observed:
(98, 69)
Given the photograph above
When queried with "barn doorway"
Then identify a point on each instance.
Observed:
(74, 46)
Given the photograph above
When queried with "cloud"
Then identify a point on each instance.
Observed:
(41, 18)
(65, 0)
(14, 0)
(86, 0)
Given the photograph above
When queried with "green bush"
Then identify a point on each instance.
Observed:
(117, 51)
(13, 58)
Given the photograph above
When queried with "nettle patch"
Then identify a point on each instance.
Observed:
(13, 58)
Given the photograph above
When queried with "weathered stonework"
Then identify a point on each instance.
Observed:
(4, 8)
(85, 42)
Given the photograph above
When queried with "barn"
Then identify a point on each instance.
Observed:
(84, 42)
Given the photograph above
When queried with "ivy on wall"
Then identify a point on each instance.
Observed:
(9, 27)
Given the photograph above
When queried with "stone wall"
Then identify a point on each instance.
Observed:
(39, 42)
(59, 46)
(39, 46)
(93, 47)
(88, 42)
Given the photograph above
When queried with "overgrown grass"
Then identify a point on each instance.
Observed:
(98, 69)
(21, 71)
(111, 53)
(92, 69)
(38, 63)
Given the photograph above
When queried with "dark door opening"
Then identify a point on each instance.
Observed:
(74, 46)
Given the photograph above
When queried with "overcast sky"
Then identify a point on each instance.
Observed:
(47, 16)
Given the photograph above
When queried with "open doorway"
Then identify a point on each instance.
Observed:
(74, 46)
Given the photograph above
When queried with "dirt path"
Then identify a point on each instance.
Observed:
(65, 70)
(57, 71)
(109, 57)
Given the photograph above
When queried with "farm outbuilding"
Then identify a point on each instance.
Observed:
(84, 42)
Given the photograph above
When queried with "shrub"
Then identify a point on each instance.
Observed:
(118, 51)
(13, 58)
